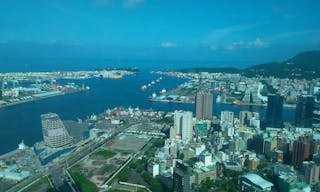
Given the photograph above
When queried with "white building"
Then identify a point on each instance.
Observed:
(55, 134)
(182, 128)
(227, 117)
(206, 158)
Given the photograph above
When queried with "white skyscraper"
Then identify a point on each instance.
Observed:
(182, 128)
(55, 134)
(227, 117)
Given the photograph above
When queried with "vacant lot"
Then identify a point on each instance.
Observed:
(127, 142)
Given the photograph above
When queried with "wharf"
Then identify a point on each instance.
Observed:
(37, 97)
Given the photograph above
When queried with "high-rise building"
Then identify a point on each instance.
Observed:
(54, 132)
(256, 144)
(182, 128)
(274, 111)
(246, 116)
(310, 172)
(303, 149)
(183, 178)
(227, 117)
(204, 102)
(304, 111)
(316, 112)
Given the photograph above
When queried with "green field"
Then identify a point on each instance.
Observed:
(106, 168)
(105, 153)
(82, 182)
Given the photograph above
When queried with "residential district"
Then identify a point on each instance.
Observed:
(130, 149)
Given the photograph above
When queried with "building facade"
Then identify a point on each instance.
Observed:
(303, 149)
(204, 105)
(54, 132)
(274, 111)
(183, 178)
(304, 111)
(182, 128)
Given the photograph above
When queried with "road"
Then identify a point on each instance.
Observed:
(57, 169)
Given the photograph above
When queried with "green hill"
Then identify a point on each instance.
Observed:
(304, 65)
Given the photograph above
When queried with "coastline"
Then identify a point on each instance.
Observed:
(38, 98)
(228, 103)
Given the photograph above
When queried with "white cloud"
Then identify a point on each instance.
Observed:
(257, 43)
(168, 44)
(132, 3)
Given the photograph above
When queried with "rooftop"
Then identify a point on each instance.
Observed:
(257, 180)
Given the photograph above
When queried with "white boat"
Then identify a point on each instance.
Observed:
(143, 87)
(154, 95)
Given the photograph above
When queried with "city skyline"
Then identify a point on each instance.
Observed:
(159, 95)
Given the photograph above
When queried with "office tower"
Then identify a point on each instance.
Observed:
(246, 116)
(54, 132)
(204, 102)
(304, 111)
(182, 128)
(303, 149)
(227, 117)
(310, 172)
(183, 178)
(274, 111)
(256, 144)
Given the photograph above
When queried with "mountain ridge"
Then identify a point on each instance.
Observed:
(305, 65)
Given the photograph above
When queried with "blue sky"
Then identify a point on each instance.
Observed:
(159, 29)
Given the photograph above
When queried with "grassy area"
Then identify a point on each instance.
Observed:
(122, 174)
(139, 166)
(41, 185)
(106, 168)
(82, 182)
(105, 153)
(125, 152)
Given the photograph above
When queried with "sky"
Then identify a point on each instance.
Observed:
(256, 31)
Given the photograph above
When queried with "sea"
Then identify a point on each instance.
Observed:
(22, 122)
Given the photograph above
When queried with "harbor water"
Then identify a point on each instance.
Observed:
(22, 122)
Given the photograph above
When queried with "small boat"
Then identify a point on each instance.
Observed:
(238, 103)
(143, 87)
(154, 95)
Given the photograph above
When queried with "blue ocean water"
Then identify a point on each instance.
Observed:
(23, 121)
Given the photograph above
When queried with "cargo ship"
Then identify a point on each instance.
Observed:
(238, 103)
